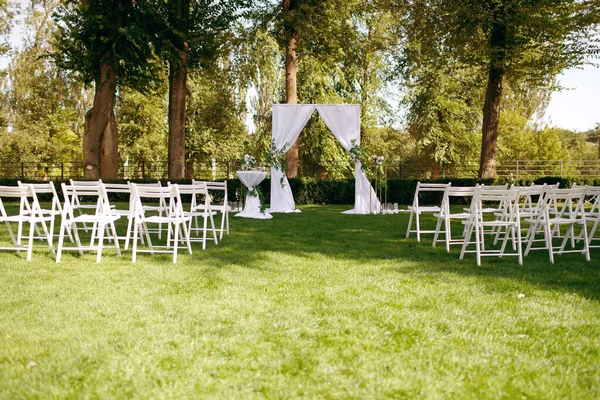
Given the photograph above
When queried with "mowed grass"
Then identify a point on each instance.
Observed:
(310, 305)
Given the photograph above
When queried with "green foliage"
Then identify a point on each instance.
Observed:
(216, 128)
(142, 126)
(45, 123)
(6, 16)
(114, 32)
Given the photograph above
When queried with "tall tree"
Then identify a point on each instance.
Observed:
(530, 41)
(107, 43)
(291, 72)
(188, 38)
(42, 102)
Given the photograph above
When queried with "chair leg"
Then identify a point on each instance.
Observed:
(30, 244)
(115, 238)
(409, 224)
(548, 236)
(61, 237)
(100, 228)
(135, 241)
(175, 234)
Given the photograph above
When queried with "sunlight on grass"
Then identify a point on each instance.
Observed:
(317, 304)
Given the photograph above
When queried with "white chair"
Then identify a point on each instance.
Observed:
(160, 207)
(123, 189)
(102, 220)
(54, 211)
(79, 206)
(222, 206)
(445, 215)
(592, 215)
(200, 207)
(174, 218)
(509, 226)
(417, 209)
(32, 215)
(551, 219)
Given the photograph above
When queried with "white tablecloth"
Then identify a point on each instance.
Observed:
(251, 179)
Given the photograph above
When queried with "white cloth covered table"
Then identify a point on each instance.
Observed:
(251, 179)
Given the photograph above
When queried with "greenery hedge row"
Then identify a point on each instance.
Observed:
(312, 191)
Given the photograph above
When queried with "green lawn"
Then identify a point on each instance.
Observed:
(312, 305)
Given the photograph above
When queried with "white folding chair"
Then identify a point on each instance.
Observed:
(123, 189)
(554, 216)
(200, 207)
(417, 209)
(222, 206)
(54, 211)
(174, 217)
(592, 216)
(31, 215)
(445, 215)
(102, 220)
(78, 206)
(509, 226)
(160, 207)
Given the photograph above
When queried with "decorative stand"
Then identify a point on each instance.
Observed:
(251, 179)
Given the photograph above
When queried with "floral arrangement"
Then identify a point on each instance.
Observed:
(377, 161)
(275, 157)
(249, 163)
(356, 152)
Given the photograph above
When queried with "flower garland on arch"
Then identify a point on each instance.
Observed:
(275, 160)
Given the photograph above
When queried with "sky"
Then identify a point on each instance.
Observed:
(578, 107)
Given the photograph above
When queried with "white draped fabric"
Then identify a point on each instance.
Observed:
(288, 121)
(344, 122)
(251, 179)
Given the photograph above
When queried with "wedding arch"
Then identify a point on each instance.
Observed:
(343, 120)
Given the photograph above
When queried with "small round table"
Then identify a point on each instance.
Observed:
(251, 179)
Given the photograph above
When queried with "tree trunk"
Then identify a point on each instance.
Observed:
(109, 150)
(177, 115)
(291, 89)
(493, 94)
(436, 170)
(97, 123)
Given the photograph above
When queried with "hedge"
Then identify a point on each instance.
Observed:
(312, 191)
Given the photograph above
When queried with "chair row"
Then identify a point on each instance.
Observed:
(524, 216)
(86, 208)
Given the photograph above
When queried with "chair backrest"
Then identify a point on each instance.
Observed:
(154, 193)
(592, 194)
(455, 191)
(507, 201)
(215, 186)
(45, 188)
(95, 191)
(572, 200)
(25, 194)
(429, 187)
(493, 187)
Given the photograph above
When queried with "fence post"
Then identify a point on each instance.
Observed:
(561, 169)
(62, 171)
(517, 169)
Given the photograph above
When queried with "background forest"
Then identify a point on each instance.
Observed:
(188, 84)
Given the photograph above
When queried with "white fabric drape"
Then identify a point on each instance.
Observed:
(288, 121)
(344, 122)
(251, 179)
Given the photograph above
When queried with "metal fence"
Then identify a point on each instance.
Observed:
(395, 169)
